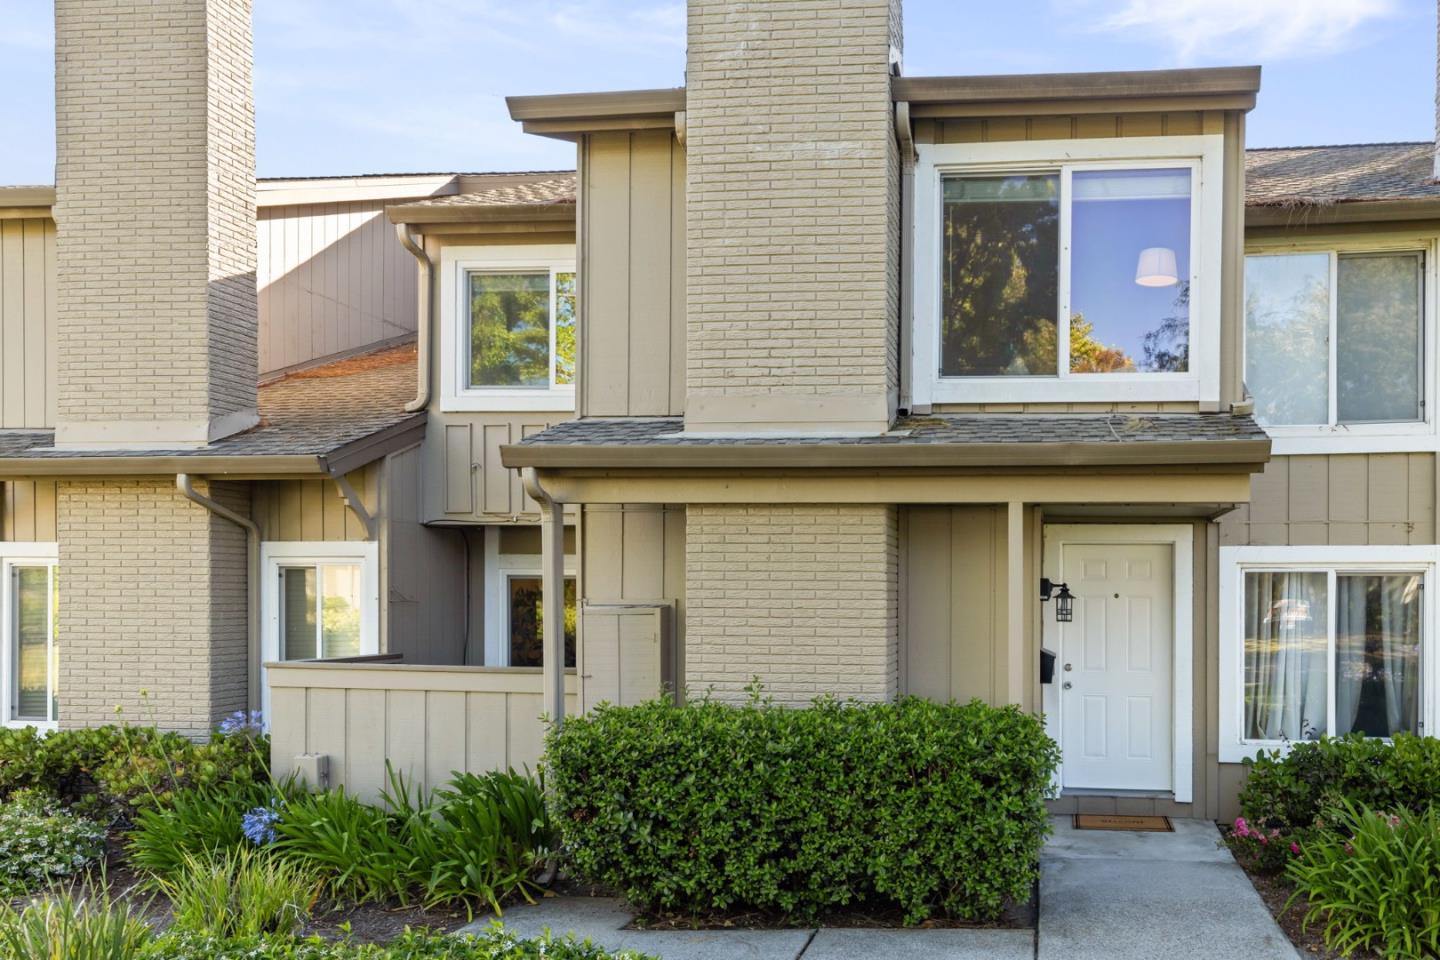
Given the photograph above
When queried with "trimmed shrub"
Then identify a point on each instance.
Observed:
(1287, 793)
(40, 842)
(1372, 880)
(710, 807)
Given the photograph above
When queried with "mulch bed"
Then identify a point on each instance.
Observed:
(1275, 891)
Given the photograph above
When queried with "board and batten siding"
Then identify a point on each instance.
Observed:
(27, 323)
(426, 722)
(27, 511)
(1087, 126)
(291, 510)
(464, 478)
(1377, 498)
(632, 276)
(332, 278)
(422, 576)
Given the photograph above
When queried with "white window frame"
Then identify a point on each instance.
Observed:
(456, 263)
(1399, 437)
(298, 553)
(499, 569)
(1235, 562)
(1202, 154)
(12, 555)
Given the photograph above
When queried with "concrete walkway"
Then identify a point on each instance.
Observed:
(1148, 895)
(1102, 894)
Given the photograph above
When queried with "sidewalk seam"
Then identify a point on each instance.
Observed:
(808, 940)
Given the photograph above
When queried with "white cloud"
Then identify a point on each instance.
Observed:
(1236, 30)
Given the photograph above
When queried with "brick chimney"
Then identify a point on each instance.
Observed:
(155, 178)
(793, 216)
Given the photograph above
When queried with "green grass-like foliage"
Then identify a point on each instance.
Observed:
(82, 924)
(200, 821)
(711, 807)
(1373, 880)
(356, 847)
(242, 892)
(1288, 792)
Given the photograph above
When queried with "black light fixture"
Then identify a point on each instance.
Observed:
(1064, 599)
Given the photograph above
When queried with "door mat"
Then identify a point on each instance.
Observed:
(1110, 821)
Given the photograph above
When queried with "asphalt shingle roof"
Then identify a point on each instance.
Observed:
(1292, 176)
(311, 413)
(556, 189)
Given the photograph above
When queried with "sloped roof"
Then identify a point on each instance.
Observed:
(1349, 173)
(332, 412)
(559, 188)
(938, 440)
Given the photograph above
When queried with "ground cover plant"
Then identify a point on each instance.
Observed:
(709, 807)
(41, 843)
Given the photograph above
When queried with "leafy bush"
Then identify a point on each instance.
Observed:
(240, 893)
(40, 843)
(711, 807)
(1289, 792)
(79, 925)
(1374, 880)
(117, 769)
(196, 821)
(354, 846)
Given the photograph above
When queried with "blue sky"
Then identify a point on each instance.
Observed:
(364, 86)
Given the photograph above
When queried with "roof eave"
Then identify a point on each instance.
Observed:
(161, 463)
(1301, 214)
(421, 213)
(1241, 453)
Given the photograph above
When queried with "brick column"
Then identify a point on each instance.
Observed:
(803, 596)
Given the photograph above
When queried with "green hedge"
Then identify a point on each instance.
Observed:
(713, 808)
(1287, 793)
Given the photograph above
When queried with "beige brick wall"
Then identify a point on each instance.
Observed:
(155, 174)
(803, 596)
(793, 214)
(152, 600)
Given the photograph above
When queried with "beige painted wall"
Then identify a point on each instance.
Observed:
(28, 388)
(427, 722)
(465, 482)
(332, 277)
(994, 129)
(313, 509)
(27, 511)
(632, 274)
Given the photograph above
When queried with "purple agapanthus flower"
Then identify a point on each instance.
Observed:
(259, 825)
(243, 723)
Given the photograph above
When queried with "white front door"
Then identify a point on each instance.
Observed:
(1115, 665)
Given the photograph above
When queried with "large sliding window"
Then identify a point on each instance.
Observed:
(1335, 342)
(1323, 647)
(30, 667)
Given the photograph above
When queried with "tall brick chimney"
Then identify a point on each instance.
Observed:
(792, 217)
(155, 208)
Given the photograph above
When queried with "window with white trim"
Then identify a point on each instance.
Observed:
(1335, 342)
(1067, 270)
(514, 613)
(321, 600)
(31, 644)
(1323, 641)
(510, 328)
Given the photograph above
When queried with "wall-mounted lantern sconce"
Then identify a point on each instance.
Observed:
(1064, 599)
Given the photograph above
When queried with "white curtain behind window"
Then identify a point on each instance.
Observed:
(1377, 654)
(1286, 649)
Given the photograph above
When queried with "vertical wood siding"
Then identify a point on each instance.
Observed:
(422, 579)
(1378, 498)
(426, 722)
(993, 129)
(27, 511)
(632, 277)
(312, 509)
(27, 323)
(464, 478)
(332, 277)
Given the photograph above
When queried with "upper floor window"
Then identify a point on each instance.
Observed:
(1066, 270)
(509, 328)
(1335, 346)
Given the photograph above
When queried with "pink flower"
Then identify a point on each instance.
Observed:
(1294, 848)
(1394, 820)
(1242, 829)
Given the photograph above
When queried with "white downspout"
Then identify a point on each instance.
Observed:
(424, 308)
(186, 486)
(552, 592)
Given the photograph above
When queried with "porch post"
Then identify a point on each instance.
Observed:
(1011, 681)
(552, 596)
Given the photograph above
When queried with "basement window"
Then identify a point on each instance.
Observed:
(509, 328)
(30, 606)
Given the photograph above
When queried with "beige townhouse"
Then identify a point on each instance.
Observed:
(1039, 389)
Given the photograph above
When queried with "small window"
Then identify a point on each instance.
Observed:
(320, 611)
(1335, 339)
(34, 656)
(522, 329)
(525, 616)
(1122, 282)
(1327, 648)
